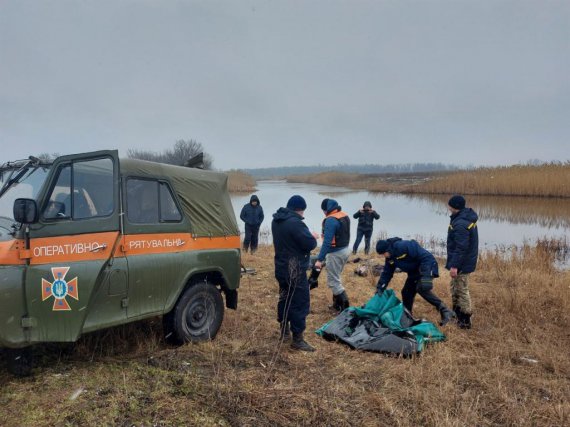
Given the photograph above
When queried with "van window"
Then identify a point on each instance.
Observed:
(168, 209)
(82, 190)
(150, 202)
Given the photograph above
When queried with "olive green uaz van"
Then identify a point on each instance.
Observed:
(91, 241)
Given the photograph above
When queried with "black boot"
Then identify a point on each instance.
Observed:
(465, 322)
(463, 319)
(300, 344)
(285, 332)
(340, 301)
(446, 315)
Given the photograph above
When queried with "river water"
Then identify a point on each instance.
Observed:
(503, 221)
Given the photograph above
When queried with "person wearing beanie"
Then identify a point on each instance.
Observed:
(422, 268)
(252, 215)
(462, 254)
(334, 250)
(293, 243)
(365, 217)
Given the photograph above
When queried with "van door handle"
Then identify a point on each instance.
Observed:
(98, 248)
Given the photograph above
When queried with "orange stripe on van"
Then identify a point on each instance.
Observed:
(79, 247)
(160, 243)
(10, 252)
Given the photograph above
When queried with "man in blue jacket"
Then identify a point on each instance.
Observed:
(421, 266)
(252, 215)
(293, 244)
(365, 217)
(335, 250)
(462, 254)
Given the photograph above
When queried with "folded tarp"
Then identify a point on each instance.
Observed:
(382, 325)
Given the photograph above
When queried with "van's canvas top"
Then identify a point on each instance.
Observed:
(203, 195)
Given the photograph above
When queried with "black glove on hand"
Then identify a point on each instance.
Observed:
(380, 288)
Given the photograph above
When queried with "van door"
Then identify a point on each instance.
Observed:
(70, 258)
(155, 244)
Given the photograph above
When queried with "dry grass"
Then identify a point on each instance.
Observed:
(511, 369)
(551, 180)
(240, 182)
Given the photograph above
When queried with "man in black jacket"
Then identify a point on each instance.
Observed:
(293, 244)
(365, 217)
(252, 215)
(462, 254)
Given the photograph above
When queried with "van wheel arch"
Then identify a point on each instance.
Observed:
(198, 313)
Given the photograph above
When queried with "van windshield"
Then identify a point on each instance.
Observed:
(19, 181)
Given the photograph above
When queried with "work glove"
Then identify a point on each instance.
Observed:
(380, 288)
(314, 278)
(424, 284)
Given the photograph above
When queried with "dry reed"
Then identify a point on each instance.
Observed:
(549, 180)
(240, 182)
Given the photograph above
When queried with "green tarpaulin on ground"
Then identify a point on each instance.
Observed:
(381, 325)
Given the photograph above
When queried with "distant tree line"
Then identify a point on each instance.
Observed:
(362, 169)
(179, 155)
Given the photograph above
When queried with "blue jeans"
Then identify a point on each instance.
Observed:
(367, 234)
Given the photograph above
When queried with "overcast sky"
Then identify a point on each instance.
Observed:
(277, 83)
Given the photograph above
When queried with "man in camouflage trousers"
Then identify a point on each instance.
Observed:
(462, 254)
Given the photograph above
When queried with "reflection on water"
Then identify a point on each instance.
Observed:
(546, 212)
(504, 221)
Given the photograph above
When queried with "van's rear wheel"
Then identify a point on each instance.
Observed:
(197, 316)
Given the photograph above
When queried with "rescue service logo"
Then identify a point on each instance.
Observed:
(60, 289)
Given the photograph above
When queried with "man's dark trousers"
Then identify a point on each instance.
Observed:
(251, 237)
(367, 234)
(409, 292)
(294, 302)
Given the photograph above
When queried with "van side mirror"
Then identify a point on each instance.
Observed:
(25, 211)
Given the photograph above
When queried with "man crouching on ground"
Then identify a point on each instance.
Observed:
(293, 243)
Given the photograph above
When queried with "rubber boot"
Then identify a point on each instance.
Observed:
(465, 321)
(285, 332)
(340, 301)
(447, 315)
(300, 344)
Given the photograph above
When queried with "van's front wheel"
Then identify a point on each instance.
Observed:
(197, 316)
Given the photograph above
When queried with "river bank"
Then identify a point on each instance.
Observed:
(512, 368)
(550, 180)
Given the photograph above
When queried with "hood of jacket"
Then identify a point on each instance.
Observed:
(284, 214)
(254, 198)
(466, 214)
(332, 205)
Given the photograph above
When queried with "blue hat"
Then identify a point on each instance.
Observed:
(457, 202)
(297, 203)
(382, 246)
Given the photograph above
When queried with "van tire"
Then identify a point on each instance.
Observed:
(20, 361)
(197, 316)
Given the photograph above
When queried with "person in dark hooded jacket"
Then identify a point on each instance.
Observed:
(252, 216)
(422, 268)
(365, 217)
(462, 254)
(293, 243)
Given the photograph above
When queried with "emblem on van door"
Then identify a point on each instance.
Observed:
(60, 289)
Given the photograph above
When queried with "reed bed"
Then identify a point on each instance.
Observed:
(240, 182)
(512, 368)
(549, 180)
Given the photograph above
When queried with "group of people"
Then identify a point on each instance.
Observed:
(293, 243)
